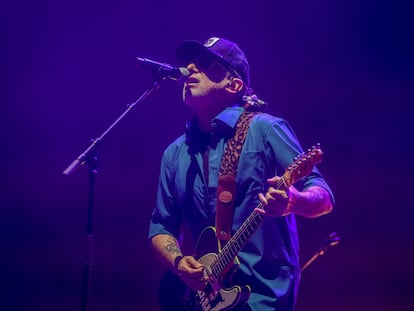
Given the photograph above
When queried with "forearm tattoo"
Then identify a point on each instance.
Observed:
(172, 247)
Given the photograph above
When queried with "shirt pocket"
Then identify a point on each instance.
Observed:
(252, 171)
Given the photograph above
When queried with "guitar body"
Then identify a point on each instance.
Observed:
(175, 295)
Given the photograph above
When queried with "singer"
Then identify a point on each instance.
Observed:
(229, 191)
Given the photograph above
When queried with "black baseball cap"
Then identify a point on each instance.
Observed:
(225, 51)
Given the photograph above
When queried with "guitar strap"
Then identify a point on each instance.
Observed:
(226, 189)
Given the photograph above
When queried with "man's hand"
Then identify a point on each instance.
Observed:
(313, 202)
(191, 273)
(277, 202)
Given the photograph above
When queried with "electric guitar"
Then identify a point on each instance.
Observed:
(219, 262)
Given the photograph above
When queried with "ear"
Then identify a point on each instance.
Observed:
(234, 85)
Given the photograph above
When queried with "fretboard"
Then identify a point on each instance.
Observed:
(236, 243)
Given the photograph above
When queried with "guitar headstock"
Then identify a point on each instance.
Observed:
(303, 165)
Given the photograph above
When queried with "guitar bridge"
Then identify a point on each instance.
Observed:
(209, 297)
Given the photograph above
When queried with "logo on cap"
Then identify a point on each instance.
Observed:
(210, 42)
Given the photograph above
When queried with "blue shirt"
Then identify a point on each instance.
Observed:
(186, 204)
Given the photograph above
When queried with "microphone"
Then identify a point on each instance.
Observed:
(163, 70)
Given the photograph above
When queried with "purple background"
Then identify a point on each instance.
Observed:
(341, 73)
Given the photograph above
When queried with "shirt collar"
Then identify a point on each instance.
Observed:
(223, 125)
(225, 122)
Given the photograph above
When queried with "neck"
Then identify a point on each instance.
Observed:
(205, 116)
(206, 109)
(204, 124)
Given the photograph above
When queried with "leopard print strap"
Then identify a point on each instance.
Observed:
(226, 189)
(234, 145)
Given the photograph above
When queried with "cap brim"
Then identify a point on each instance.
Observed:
(189, 50)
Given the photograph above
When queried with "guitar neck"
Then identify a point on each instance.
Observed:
(236, 243)
(241, 236)
(300, 168)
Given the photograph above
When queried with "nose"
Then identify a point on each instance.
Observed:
(192, 68)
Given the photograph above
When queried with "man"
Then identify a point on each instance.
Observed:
(218, 92)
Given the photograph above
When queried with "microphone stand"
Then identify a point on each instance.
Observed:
(90, 157)
(333, 239)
